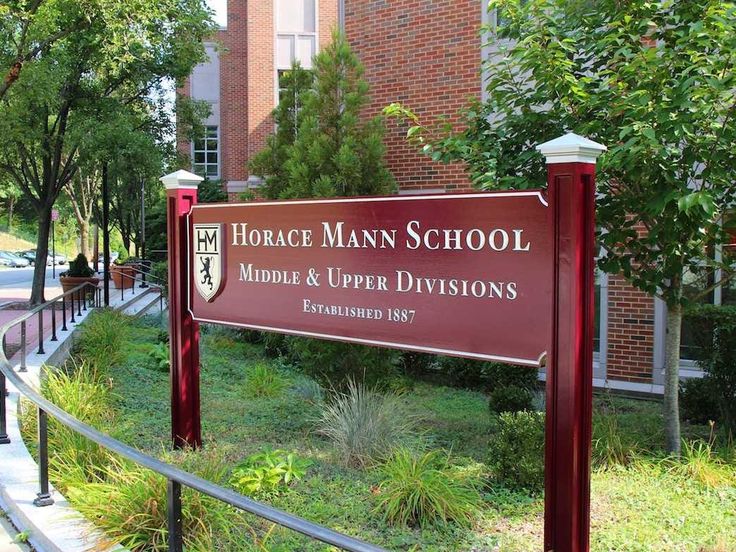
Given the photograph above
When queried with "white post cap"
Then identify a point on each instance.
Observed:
(571, 148)
(181, 180)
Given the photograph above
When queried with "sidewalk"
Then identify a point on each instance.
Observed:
(55, 528)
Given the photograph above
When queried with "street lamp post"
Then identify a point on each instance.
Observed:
(143, 233)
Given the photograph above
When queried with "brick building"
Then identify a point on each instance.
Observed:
(426, 54)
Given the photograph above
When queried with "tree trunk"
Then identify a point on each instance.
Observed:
(84, 238)
(42, 252)
(11, 206)
(96, 248)
(672, 378)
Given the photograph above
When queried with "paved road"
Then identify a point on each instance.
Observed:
(15, 283)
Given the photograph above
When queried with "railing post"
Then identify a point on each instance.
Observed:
(71, 298)
(144, 266)
(571, 162)
(63, 314)
(84, 291)
(23, 347)
(186, 430)
(53, 321)
(80, 298)
(40, 332)
(4, 439)
(43, 498)
(173, 511)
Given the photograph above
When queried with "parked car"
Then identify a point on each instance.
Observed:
(31, 256)
(113, 257)
(59, 259)
(13, 260)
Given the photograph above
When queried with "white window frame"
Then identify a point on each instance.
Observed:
(206, 151)
(294, 34)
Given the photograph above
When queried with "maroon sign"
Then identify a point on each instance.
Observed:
(462, 274)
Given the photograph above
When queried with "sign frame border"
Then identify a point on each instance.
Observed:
(539, 362)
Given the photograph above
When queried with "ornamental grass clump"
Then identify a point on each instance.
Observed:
(81, 392)
(424, 489)
(264, 381)
(699, 463)
(128, 503)
(365, 425)
(102, 338)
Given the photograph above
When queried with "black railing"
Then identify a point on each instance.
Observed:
(120, 270)
(176, 477)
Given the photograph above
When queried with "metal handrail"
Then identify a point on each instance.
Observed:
(123, 275)
(176, 477)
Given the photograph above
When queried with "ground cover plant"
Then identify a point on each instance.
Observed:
(642, 499)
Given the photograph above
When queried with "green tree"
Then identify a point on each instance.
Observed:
(322, 149)
(270, 162)
(654, 81)
(89, 76)
(29, 29)
(335, 152)
(10, 192)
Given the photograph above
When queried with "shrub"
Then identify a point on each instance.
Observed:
(334, 364)
(365, 425)
(101, 339)
(160, 273)
(699, 401)
(415, 364)
(424, 489)
(517, 451)
(715, 333)
(160, 358)
(268, 472)
(461, 372)
(275, 344)
(476, 374)
(510, 399)
(262, 380)
(79, 268)
(498, 375)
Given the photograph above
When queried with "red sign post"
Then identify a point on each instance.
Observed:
(571, 163)
(186, 430)
(505, 276)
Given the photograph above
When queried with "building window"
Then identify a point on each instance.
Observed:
(296, 36)
(206, 154)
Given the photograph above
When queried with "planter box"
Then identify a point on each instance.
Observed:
(122, 276)
(70, 282)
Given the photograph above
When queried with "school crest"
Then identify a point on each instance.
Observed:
(209, 260)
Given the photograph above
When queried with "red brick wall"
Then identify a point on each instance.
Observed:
(630, 332)
(425, 54)
(327, 21)
(261, 76)
(234, 90)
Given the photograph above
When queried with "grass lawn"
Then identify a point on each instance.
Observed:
(648, 504)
